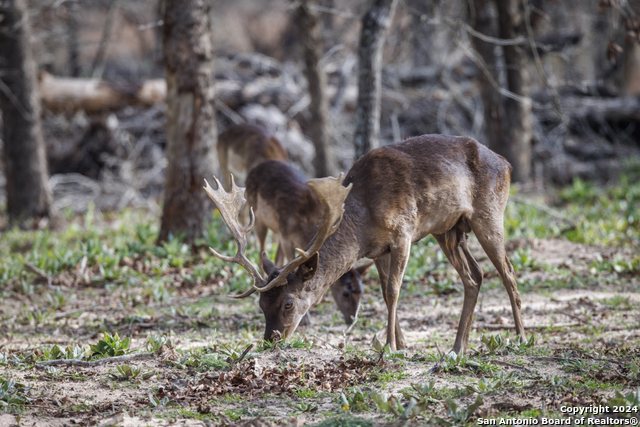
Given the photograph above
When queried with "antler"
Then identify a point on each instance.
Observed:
(229, 204)
(332, 196)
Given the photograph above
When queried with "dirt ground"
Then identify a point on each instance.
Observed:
(585, 320)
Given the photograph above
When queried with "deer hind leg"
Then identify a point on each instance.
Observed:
(454, 245)
(391, 291)
(261, 234)
(491, 238)
(382, 265)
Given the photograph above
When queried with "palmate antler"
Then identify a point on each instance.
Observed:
(229, 204)
(332, 196)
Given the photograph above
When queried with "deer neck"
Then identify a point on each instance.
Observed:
(338, 254)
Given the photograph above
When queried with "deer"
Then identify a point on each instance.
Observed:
(242, 147)
(392, 196)
(283, 203)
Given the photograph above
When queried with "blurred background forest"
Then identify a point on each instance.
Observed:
(565, 77)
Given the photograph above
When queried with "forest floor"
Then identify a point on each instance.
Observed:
(195, 356)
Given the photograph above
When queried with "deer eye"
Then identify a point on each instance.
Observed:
(288, 305)
(345, 293)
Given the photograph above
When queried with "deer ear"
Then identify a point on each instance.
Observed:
(308, 269)
(364, 268)
(268, 266)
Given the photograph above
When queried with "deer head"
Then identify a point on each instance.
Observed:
(347, 294)
(286, 294)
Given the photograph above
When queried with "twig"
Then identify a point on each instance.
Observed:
(324, 341)
(115, 359)
(536, 57)
(242, 356)
(99, 60)
(542, 208)
(554, 325)
(36, 270)
(587, 358)
(348, 330)
(76, 310)
(511, 365)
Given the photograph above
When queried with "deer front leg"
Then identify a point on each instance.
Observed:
(391, 291)
(454, 245)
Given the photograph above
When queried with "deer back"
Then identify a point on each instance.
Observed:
(282, 201)
(242, 147)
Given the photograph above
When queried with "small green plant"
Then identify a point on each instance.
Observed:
(422, 393)
(303, 406)
(165, 402)
(155, 342)
(70, 352)
(111, 345)
(485, 385)
(496, 344)
(355, 401)
(581, 365)
(460, 414)
(128, 372)
(391, 404)
(630, 402)
(12, 393)
(452, 362)
(634, 371)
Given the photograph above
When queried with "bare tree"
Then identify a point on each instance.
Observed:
(507, 118)
(375, 24)
(191, 125)
(28, 192)
(309, 28)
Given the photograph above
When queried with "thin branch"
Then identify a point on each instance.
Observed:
(84, 364)
(536, 57)
(502, 91)
(99, 61)
(15, 101)
(511, 365)
(542, 208)
(551, 325)
(36, 270)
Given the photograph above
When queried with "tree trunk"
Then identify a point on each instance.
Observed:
(507, 121)
(518, 114)
(191, 125)
(483, 21)
(73, 29)
(375, 24)
(28, 192)
(311, 39)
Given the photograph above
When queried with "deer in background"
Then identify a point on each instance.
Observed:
(242, 147)
(283, 203)
(392, 197)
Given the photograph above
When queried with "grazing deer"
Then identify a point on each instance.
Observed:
(283, 203)
(242, 147)
(392, 197)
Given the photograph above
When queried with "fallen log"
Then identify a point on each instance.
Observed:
(94, 95)
(594, 108)
(64, 94)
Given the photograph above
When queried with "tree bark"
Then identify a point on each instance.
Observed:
(508, 124)
(518, 114)
(483, 21)
(308, 24)
(375, 24)
(73, 29)
(191, 125)
(28, 192)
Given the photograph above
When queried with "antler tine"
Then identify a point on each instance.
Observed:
(229, 204)
(332, 196)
